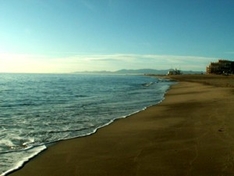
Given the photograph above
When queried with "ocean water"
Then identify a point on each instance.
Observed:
(39, 109)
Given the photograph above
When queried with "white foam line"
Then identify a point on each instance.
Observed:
(21, 163)
(126, 116)
(26, 159)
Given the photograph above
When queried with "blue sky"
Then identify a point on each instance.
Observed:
(62, 36)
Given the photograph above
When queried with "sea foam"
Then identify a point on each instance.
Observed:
(40, 109)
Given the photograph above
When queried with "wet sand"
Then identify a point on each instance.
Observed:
(190, 133)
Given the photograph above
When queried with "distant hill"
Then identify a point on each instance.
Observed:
(142, 71)
(137, 72)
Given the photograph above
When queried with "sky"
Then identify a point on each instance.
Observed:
(64, 36)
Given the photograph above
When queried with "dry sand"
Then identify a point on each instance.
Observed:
(190, 133)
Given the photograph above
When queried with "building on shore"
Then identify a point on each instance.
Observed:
(221, 67)
(174, 72)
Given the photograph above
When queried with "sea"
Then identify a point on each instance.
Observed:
(37, 110)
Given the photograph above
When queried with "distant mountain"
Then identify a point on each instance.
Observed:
(142, 71)
(138, 72)
(94, 72)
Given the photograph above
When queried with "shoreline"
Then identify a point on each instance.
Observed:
(169, 138)
(23, 163)
(80, 105)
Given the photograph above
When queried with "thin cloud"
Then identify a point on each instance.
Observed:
(111, 62)
(148, 61)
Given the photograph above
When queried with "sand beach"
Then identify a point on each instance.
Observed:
(190, 133)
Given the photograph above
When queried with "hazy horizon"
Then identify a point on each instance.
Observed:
(58, 36)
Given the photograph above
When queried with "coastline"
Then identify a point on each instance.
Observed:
(189, 133)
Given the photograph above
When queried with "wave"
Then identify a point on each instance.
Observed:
(79, 112)
(32, 152)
